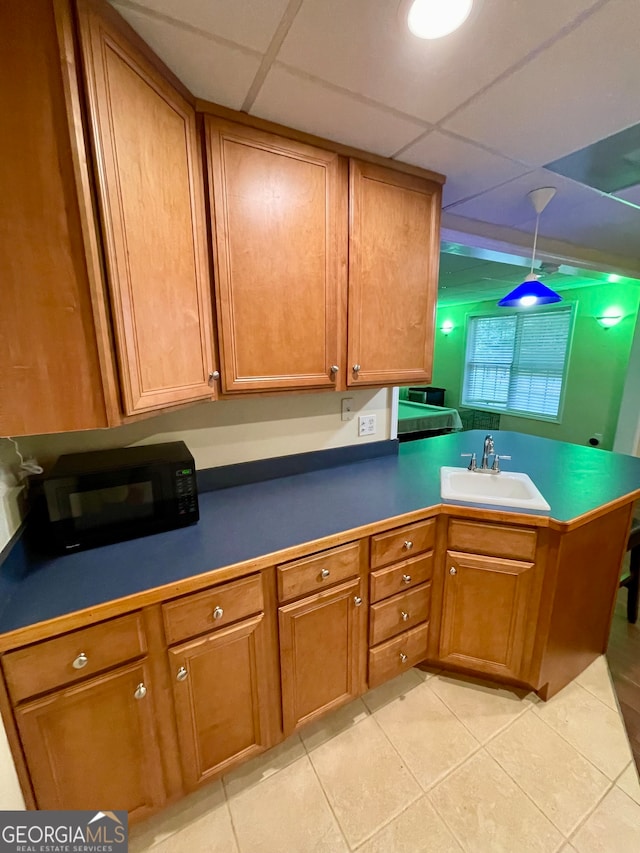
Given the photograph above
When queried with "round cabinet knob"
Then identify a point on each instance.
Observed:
(215, 374)
(406, 578)
(324, 574)
(217, 613)
(357, 600)
(334, 369)
(408, 545)
(404, 615)
(453, 570)
(356, 368)
(403, 657)
(141, 691)
(182, 673)
(81, 661)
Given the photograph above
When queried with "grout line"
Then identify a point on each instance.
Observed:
(232, 821)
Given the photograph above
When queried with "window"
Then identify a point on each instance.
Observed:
(515, 363)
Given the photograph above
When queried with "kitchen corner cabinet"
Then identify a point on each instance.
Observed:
(279, 219)
(151, 197)
(394, 233)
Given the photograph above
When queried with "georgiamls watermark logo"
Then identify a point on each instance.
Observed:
(64, 832)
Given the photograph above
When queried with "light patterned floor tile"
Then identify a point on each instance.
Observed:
(597, 680)
(484, 708)
(563, 784)
(426, 733)
(594, 729)
(343, 718)
(394, 689)
(286, 813)
(264, 765)
(419, 829)
(614, 827)
(488, 813)
(629, 783)
(364, 778)
(189, 821)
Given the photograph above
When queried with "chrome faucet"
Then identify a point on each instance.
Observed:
(488, 450)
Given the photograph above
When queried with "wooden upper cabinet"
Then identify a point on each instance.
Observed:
(394, 233)
(151, 194)
(279, 213)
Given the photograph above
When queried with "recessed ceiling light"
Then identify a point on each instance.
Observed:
(432, 19)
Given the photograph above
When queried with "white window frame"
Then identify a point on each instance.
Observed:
(500, 312)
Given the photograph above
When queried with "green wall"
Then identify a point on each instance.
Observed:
(597, 363)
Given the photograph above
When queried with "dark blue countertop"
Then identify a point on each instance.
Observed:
(250, 521)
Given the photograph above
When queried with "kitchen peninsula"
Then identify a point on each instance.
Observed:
(358, 569)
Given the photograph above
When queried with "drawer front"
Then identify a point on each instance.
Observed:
(402, 543)
(399, 613)
(494, 540)
(317, 572)
(211, 609)
(53, 663)
(401, 577)
(398, 655)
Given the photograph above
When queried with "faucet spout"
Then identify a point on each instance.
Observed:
(488, 450)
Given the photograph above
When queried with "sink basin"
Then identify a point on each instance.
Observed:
(508, 489)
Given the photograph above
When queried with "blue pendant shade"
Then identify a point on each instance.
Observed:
(530, 292)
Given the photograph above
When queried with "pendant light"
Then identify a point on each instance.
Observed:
(532, 291)
(433, 19)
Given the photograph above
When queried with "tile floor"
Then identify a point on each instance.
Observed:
(433, 763)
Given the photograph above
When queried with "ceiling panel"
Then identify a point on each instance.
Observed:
(251, 23)
(581, 89)
(294, 100)
(361, 45)
(208, 69)
(469, 169)
(603, 224)
(631, 194)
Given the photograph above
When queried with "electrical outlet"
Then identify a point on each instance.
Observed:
(367, 425)
(347, 409)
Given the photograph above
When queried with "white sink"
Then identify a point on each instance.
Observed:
(507, 488)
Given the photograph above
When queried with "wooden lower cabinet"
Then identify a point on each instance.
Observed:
(223, 697)
(486, 614)
(322, 652)
(94, 745)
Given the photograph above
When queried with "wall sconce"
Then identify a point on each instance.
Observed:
(609, 319)
(446, 327)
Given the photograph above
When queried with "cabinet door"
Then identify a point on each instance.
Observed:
(93, 746)
(322, 653)
(224, 698)
(485, 616)
(280, 226)
(151, 195)
(394, 239)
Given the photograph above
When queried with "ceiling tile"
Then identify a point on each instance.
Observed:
(469, 169)
(604, 224)
(208, 69)
(307, 105)
(631, 194)
(251, 23)
(581, 89)
(362, 46)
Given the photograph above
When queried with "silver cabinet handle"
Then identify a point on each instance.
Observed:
(453, 570)
(217, 613)
(404, 615)
(357, 600)
(215, 374)
(403, 657)
(408, 545)
(334, 369)
(141, 691)
(182, 673)
(406, 578)
(324, 574)
(356, 368)
(81, 661)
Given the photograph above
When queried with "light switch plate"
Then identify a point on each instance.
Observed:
(347, 409)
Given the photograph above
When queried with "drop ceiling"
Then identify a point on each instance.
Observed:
(520, 85)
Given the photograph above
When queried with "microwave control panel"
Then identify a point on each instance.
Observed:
(186, 491)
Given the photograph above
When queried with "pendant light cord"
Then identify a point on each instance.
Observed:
(535, 243)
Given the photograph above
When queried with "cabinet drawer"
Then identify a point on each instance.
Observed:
(399, 613)
(53, 663)
(402, 576)
(402, 543)
(319, 571)
(396, 656)
(494, 540)
(211, 609)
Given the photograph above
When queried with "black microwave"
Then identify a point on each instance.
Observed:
(107, 496)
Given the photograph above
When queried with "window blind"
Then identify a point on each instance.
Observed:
(516, 362)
